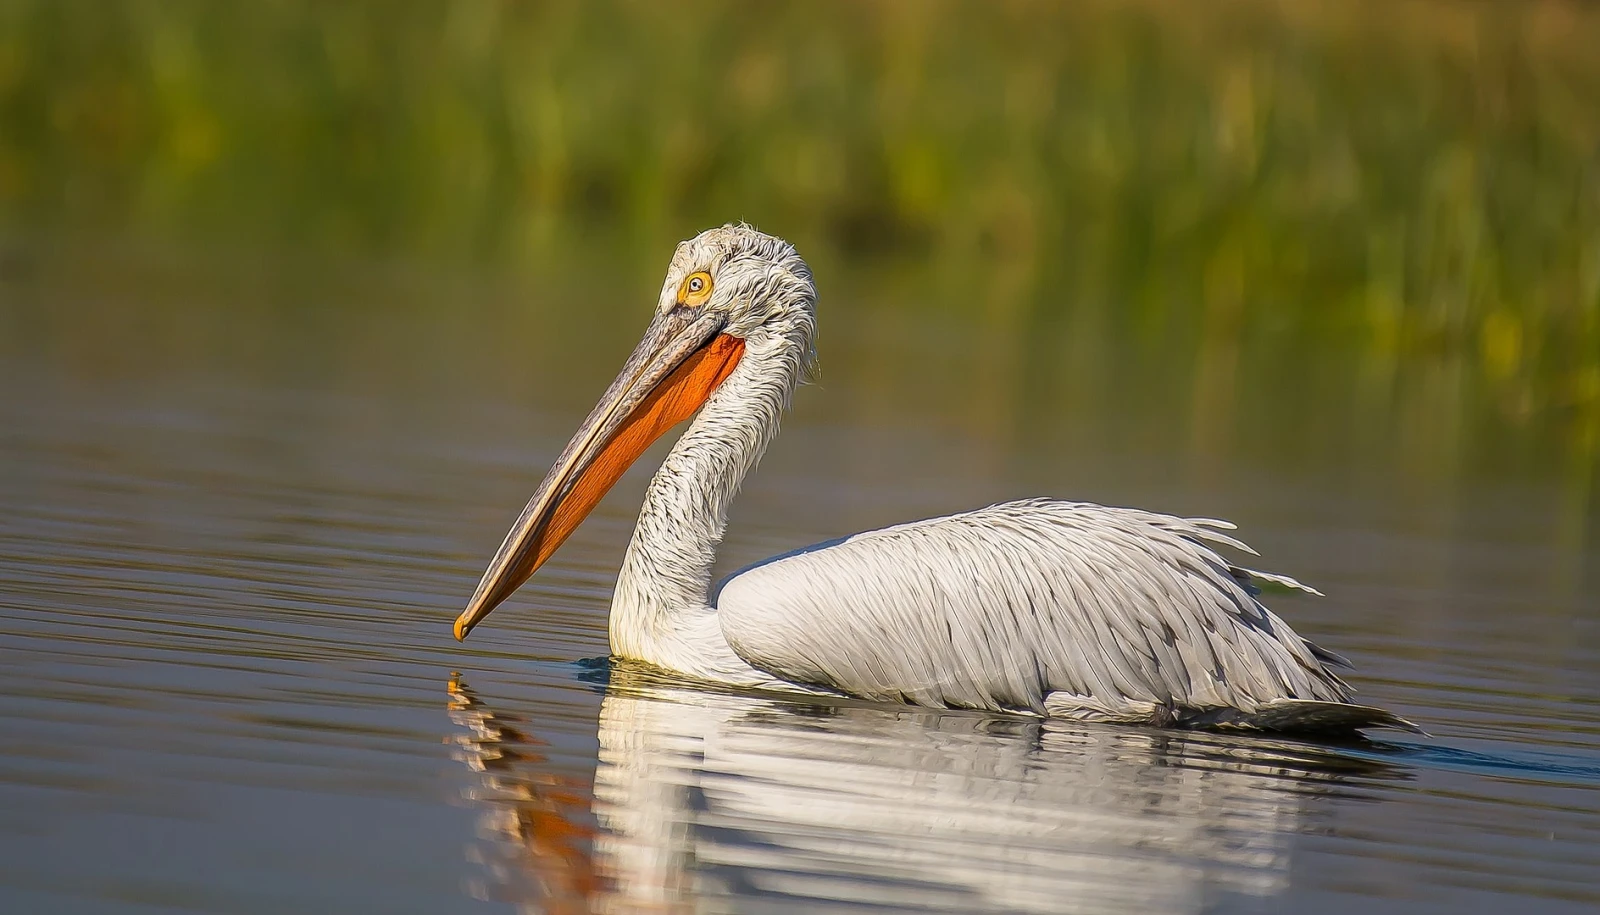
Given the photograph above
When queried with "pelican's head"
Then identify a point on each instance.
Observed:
(755, 282)
(726, 289)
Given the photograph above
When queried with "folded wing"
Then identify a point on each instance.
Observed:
(1042, 606)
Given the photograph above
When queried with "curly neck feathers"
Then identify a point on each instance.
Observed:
(660, 611)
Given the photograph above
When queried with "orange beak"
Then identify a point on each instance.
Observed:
(682, 359)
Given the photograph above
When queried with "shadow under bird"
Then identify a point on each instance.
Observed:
(1043, 607)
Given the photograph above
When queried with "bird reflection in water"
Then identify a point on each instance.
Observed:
(724, 802)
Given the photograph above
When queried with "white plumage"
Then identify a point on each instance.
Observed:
(1040, 606)
(1043, 607)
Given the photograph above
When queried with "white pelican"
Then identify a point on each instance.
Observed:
(1063, 609)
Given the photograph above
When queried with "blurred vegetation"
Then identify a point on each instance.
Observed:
(1411, 181)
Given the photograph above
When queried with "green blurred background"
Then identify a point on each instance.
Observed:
(1369, 226)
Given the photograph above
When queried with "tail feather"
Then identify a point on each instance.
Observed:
(1308, 716)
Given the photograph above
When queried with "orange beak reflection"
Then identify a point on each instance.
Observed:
(682, 359)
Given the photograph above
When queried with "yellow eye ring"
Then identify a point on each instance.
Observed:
(696, 289)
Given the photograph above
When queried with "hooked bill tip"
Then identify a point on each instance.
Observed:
(462, 627)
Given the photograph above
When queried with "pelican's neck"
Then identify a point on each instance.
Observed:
(661, 612)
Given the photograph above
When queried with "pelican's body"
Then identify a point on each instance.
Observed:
(1045, 607)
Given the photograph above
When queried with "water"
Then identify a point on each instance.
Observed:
(232, 542)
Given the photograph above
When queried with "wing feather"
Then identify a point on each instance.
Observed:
(1034, 606)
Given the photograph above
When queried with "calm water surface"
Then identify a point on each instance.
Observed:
(232, 542)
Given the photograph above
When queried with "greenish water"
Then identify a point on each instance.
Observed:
(297, 303)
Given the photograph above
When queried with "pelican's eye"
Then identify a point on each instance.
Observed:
(696, 289)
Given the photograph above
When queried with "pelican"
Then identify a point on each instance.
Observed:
(1040, 607)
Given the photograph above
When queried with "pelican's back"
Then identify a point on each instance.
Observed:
(1059, 608)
